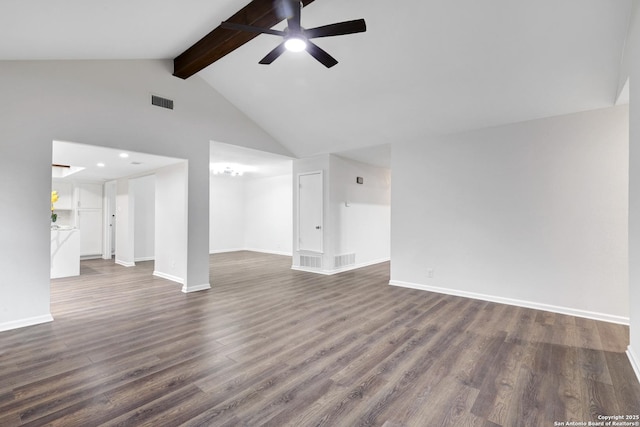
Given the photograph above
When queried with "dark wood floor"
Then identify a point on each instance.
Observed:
(272, 346)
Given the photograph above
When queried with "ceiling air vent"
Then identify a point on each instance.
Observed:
(162, 102)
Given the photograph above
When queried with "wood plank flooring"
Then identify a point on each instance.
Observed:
(271, 346)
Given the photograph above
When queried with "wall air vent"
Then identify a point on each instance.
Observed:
(344, 260)
(310, 261)
(162, 102)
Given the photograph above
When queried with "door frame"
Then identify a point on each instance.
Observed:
(108, 245)
(320, 172)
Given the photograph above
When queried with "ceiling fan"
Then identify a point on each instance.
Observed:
(297, 38)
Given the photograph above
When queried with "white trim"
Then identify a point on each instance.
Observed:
(338, 270)
(168, 277)
(634, 360)
(520, 303)
(188, 289)
(86, 257)
(263, 251)
(15, 324)
(145, 258)
(224, 251)
(125, 263)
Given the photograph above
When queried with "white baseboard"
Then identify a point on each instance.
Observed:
(519, 303)
(263, 251)
(635, 361)
(338, 270)
(86, 257)
(169, 277)
(144, 258)
(15, 324)
(312, 270)
(224, 251)
(125, 263)
(188, 290)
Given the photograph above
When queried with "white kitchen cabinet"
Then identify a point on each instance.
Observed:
(89, 218)
(65, 195)
(89, 196)
(79, 206)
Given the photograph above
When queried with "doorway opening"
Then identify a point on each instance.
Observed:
(107, 205)
(250, 200)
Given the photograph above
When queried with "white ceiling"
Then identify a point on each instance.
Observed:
(259, 163)
(429, 67)
(114, 29)
(423, 66)
(87, 157)
(114, 166)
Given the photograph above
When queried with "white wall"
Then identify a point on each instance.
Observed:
(533, 213)
(171, 222)
(268, 214)
(362, 227)
(251, 214)
(144, 190)
(103, 103)
(632, 55)
(226, 214)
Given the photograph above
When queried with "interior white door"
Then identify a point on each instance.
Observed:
(90, 196)
(109, 244)
(310, 207)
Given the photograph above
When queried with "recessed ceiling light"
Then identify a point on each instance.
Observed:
(100, 165)
(124, 155)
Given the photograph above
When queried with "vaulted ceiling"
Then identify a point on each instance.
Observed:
(423, 67)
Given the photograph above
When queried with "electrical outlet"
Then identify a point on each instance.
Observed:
(430, 273)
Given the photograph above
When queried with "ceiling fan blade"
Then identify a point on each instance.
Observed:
(293, 15)
(273, 55)
(323, 57)
(339, 29)
(242, 27)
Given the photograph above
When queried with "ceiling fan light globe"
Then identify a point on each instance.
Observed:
(295, 44)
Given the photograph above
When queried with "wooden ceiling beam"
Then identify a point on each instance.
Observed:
(220, 41)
